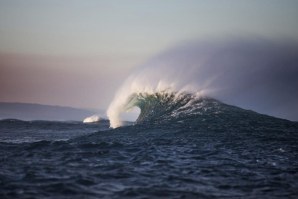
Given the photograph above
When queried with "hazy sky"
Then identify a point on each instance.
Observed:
(78, 52)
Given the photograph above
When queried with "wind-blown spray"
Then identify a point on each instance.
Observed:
(255, 74)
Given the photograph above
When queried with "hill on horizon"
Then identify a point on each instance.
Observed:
(30, 111)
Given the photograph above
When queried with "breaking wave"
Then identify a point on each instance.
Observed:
(254, 74)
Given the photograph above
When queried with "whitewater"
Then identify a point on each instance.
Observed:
(213, 122)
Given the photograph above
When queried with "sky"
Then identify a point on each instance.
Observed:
(77, 53)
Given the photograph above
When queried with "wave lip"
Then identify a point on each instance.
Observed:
(166, 106)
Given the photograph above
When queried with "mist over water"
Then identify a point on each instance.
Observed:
(252, 73)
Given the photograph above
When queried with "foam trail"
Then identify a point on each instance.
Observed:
(255, 74)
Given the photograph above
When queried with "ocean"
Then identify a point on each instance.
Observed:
(178, 148)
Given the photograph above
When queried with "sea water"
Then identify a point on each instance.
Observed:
(212, 151)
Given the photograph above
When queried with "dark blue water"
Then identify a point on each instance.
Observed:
(210, 150)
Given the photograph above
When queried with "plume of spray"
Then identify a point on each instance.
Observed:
(256, 74)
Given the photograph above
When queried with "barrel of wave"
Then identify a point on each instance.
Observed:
(92, 119)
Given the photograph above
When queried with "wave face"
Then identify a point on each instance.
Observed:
(170, 107)
(254, 74)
